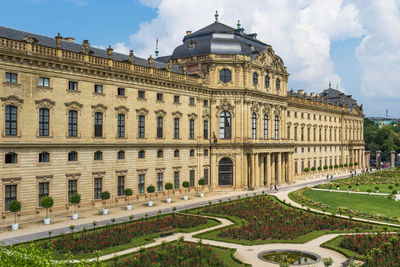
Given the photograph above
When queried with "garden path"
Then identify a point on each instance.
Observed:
(351, 192)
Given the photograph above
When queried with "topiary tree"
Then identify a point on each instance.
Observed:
(313, 169)
(355, 163)
(185, 185)
(47, 202)
(325, 167)
(306, 169)
(75, 200)
(345, 165)
(202, 183)
(350, 164)
(327, 261)
(336, 166)
(330, 167)
(128, 192)
(15, 206)
(168, 187)
(319, 168)
(340, 165)
(151, 189)
(105, 196)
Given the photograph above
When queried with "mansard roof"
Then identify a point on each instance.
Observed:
(18, 35)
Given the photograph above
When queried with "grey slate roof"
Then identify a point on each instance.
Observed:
(75, 47)
(337, 97)
(218, 38)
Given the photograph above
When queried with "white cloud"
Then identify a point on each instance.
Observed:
(121, 47)
(299, 31)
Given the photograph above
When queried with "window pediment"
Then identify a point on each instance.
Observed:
(99, 108)
(192, 115)
(160, 113)
(74, 105)
(45, 103)
(225, 105)
(122, 109)
(177, 114)
(12, 100)
(142, 111)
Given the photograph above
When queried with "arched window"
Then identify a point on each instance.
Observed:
(225, 75)
(72, 123)
(276, 127)
(265, 126)
(141, 126)
(267, 81)
(191, 152)
(121, 154)
(72, 156)
(278, 84)
(98, 155)
(225, 172)
(225, 125)
(176, 153)
(253, 125)
(44, 156)
(141, 154)
(160, 153)
(44, 122)
(98, 124)
(255, 78)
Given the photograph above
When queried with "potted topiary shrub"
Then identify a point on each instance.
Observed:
(185, 185)
(325, 167)
(105, 196)
(75, 200)
(319, 168)
(377, 189)
(202, 183)
(306, 169)
(349, 187)
(330, 167)
(168, 187)
(345, 165)
(369, 191)
(313, 169)
(128, 192)
(150, 189)
(15, 206)
(47, 202)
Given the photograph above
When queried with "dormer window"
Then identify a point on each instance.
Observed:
(255, 78)
(192, 44)
(225, 75)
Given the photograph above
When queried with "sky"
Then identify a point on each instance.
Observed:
(354, 44)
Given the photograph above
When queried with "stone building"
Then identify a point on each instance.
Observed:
(80, 119)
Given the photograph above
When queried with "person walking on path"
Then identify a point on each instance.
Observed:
(327, 176)
(276, 188)
(331, 176)
(271, 187)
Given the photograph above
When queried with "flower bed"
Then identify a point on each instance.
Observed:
(114, 235)
(269, 220)
(299, 195)
(174, 254)
(382, 250)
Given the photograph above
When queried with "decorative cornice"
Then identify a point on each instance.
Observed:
(12, 100)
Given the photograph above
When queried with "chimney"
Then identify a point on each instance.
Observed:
(300, 92)
(69, 39)
(188, 33)
(312, 94)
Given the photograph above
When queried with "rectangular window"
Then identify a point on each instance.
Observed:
(141, 126)
(73, 86)
(72, 156)
(10, 195)
(121, 125)
(205, 174)
(205, 129)
(121, 185)
(72, 123)
(288, 132)
(43, 190)
(45, 82)
(98, 155)
(176, 99)
(11, 77)
(295, 133)
(205, 152)
(191, 178)
(176, 180)
(295, 168)
(11, 120)
(98, 124)
(141, 183)
(11, 158)
(98, 187)
(160, 97)
(43, 122)
(205, 103)
(191, 129)
(44, 157)
(72, 188)
(176, 128)
(98, 89)
(121, 91)
(308, 134)
(141, 94)
(159, 181)
(159, 127)
(191, 101)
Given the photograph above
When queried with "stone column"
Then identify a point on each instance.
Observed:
(352, 157)
(253, 170)
(291, 168)
(256, 171)
(367, 158)
(245, 171)
(378, 158)
(279, 168)
(269, 168)
(392, 159)
(273, 177)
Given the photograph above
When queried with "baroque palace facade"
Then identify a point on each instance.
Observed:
(80, 119)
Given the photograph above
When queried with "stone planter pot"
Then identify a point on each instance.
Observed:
(128, 207)
(15, 226)
(168, 200)
(150, 203)
(105, 211)
(74, 216)
(330, 190)
(202, 194)
(185, 197)
(46, 221)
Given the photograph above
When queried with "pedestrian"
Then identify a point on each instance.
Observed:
(271, 187)
(331, 176)
(276, 188)
(327, 176)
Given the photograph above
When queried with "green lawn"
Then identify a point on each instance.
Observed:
(383, 188)
(371, 204)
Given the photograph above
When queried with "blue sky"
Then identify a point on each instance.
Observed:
(325, 41)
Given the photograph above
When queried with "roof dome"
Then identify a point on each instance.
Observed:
(218, 38)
